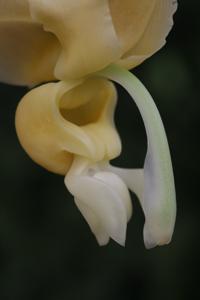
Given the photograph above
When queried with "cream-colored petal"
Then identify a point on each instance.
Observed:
(85, 31)
(154, 36)
(103, 199)
(130, 18)
(117, 184)
(83, 36)
(27, 53)
(133, 178)
(93, 221)
(14, 10)
(105, 203)
(57, 120)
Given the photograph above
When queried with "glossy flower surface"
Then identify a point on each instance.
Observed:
(44, 40)
(68, 126)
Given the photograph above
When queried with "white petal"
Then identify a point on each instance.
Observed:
(133, 178)
(94, 222)
(119, 186)
(104, 202)
(103, 195)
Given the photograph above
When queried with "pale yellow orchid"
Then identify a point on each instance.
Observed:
(67, 126)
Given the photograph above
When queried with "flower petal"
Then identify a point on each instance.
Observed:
(153, 38)
(106, 200)
(130, 18)
(27, 53)
(85, 31)
(117, 184)
(94, 223)
(14, 9)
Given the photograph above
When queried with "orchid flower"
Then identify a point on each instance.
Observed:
(68, 126)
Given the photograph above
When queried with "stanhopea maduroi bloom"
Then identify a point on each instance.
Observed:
(68, 127)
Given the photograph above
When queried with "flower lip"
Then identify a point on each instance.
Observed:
(102, 198)
(52, 125)
(85, 103)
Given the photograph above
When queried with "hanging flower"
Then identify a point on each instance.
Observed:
(67, 126)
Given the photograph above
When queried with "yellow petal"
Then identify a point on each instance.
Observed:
(154, 35)
(14, 9)
(85, 31)
(44, 40)
(57, 120)
(27, 53)
(130, 18)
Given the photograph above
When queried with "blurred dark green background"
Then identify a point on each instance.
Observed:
(46, 248)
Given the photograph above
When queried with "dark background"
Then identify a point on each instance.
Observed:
(46, 248)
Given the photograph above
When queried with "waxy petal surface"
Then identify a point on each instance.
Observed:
(57, 120)
(103, 199)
